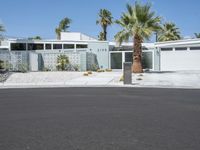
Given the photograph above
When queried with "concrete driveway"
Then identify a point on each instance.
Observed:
(180, 79)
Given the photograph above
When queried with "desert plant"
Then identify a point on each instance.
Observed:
(94, 67)
(138, 23)
(62, 61)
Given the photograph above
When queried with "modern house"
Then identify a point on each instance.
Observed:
(88, 53)
(82, 51)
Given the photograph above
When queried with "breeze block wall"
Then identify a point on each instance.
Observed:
(15, 60)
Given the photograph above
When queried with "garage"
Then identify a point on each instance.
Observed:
(180, 56)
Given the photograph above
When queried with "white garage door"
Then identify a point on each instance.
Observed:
(180, 59)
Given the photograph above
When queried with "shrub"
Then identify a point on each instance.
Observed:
(1, 64)
(108, 70)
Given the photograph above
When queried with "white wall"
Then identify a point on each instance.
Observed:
(180, 60)
(75, 36)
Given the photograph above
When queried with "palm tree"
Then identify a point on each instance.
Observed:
(58, 30)
(63, 26)
(197, 35)
(169, 32)
(101, 36)
(2, 28)
(105, 19)
(35, 38)
(138, 23)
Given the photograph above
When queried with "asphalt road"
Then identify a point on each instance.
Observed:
(99, 119)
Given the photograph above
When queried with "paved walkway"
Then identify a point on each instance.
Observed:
(184, 79)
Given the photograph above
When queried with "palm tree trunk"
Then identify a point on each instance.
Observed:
(137, 55)
(105, 33)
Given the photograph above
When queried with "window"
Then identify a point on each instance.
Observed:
(167, 49)
(18, 46)
(81, 46)
(194, 48)
(68, 46)
(33, 46)
(57, 46)
(47, 46)
(181, 48)
(116, 60)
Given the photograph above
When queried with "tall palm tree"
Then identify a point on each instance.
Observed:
(138, 23)
(197, 35)
(169, 32)
(105, 19)
(2, 28)
(58, 31)
(101, 36)
(63, 26)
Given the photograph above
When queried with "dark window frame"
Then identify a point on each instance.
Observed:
(57, 48)
(34, 46)
(180, 48)
(18, 48)
(166, 49)
(68, 46)
(79, 46)
(48, 48)
(195, 48)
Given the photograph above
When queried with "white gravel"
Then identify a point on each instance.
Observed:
(181, 79)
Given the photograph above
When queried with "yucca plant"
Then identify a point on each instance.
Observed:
(62, 61)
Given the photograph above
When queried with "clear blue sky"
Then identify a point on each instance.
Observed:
(26, 18)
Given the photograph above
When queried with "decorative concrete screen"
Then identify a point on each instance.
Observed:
(49, 60)
(15, 60)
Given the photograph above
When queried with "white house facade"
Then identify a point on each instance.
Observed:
(88, 53)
